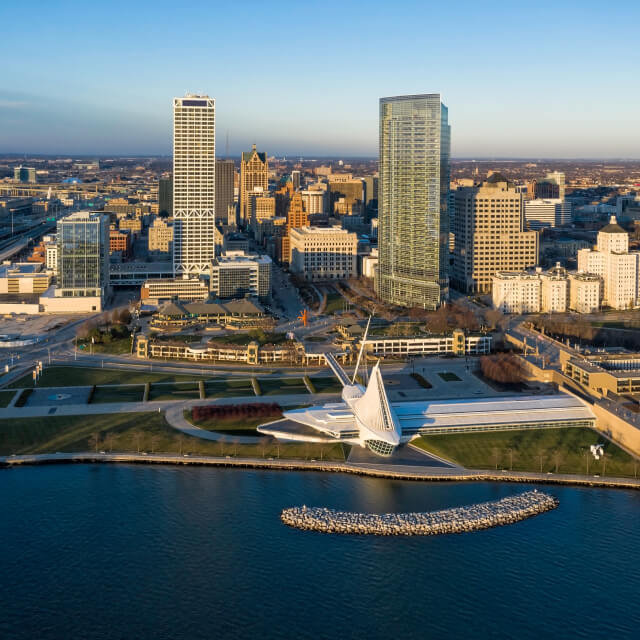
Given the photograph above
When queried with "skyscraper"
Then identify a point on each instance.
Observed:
(412, 199)
(194, 168)
(254, 172)
(225, 170)
(165, 196)
(83, 258)
(489, 234)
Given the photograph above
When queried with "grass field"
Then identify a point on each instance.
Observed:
(85, 376)
(335, 303)
(122, 393)
(282, 386)
(174, 391)
(127, 432)
(554, 450)
(230, 388)
(326, 384)
(5, 398)
(449, 376)
(119, 346)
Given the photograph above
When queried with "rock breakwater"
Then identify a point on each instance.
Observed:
(456, 520)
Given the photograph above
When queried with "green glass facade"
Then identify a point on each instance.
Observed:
(413, 234)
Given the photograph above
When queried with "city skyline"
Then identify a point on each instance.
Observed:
(326, 102)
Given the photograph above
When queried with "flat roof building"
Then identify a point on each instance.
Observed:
(236, 273)
(323, 253)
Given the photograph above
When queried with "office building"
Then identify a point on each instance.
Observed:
(160, 236)
(158, 289)
(539, 214)
(120, 242)
(83, 260)
(516, 292)
(23, 278)
(489, 236)
(263, 208)
(51, 255)
(194, 168)
(412, 189)
(225, 175)
(254, 172)
(24, 174)
(323, 253)
(346, 197)
(314, 201)
(371, 194)
(296, 179)
(165, 197)
(618, 268)
(554, 290)
(296, 218)
(236, 273)
(550, 187)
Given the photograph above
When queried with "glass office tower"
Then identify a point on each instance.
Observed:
(83, 255)
(413, 234)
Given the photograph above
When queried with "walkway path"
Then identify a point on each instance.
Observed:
(380, 471)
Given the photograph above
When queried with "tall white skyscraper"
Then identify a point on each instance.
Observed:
(194, 180)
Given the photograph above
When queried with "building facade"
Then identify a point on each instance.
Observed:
(165, 197)
(618, 268)
(297, 218)
(225, 176)
(235, 274)
(194, 168)
(254, 172)
(539, 214)
(160, 236)
(321, 253)
(412, 189)
(489, 236)
(83, 256)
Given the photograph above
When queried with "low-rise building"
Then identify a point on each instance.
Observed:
(236, 273)
(455, 343)
(516, 292)
(120, 241)
(23, 278)
(155, 291)
(604, 374)
(323, 253)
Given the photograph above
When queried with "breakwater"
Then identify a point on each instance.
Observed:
(456, 520)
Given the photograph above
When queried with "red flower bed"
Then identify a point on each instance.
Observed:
(235, 411)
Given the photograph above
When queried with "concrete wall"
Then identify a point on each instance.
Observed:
(617, 429)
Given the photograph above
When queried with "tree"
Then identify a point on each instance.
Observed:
(541, 456)
(263, 445)
(557, 459)
(180, 442)
(510, 451)
(109, 439)
(125, 316)
(495, 456)
(154, 442)
(94, 441)
(137, 437)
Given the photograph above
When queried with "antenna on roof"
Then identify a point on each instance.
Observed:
(364, 340)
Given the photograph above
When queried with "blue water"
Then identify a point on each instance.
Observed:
(97, 551)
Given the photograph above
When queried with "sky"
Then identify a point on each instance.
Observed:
(521, 79)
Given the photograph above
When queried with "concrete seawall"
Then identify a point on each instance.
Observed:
(457, 520)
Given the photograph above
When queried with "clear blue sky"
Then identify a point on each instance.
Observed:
(520, 78)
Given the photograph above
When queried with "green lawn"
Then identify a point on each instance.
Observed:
(335, 303)
(5, 398)
(126, 432)
(85, 376)
(122, 393)
(230, 388)
(174, 391)
(229, 425)
(282, 386)
(449, 376)
(567, 447)
(326, 384)
(118, 346)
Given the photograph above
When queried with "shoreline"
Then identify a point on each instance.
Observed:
(404, 473)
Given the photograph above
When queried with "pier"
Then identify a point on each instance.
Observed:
(456, 520)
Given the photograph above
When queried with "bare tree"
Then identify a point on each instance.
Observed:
(94, 441)
(180, 441)
(137, 437)
(263, 445)
(109, 439)
(495, 456)
(557, 459)
(154, 442)
(541, 456)
(605, 455)
(510, 451)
